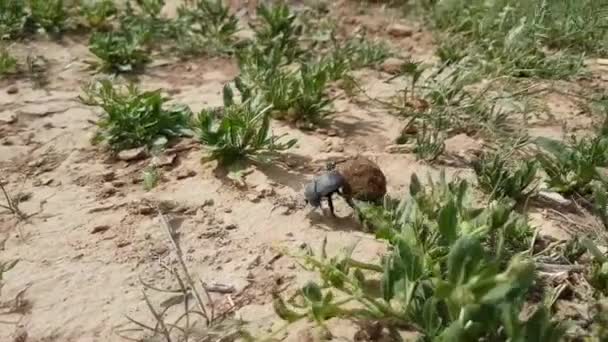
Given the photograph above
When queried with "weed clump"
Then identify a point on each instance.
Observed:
(13, 18)
(97, 13)
(119, 51)
(520, 39)
(239, 130)
(50, 15)
(498, 178)
(8, 63)
(453, 272)
(205, 27)
(134, 118)
(572, 167)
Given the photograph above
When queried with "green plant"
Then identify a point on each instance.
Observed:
(296, 94)
(278, 29)
(445, 275)
(145, 21)
(134, 118)
(97, 13)
(499, 179)
(8, 63)
(571, 167)
(516, 39)
(207, 27)
(50, 15)
(239, 130)
(365, 53)
(151, 177)
(122, 51)
(13, 18)
(597, 274)
(430, 144)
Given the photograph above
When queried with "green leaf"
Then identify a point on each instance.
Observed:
(415, 185)
(448, 222)
(465, 259)
(312, 292)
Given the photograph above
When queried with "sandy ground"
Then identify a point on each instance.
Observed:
(93, 233)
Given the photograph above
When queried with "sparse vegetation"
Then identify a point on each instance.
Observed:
(134, 118)
(296, 95)
(278, 29)
(97, 13)
(13, 18)
(8, 63)
(572, 167)
(205, 27)
(520, 39)
(119, 51)
(239, 130)
(50, 15)
(445, 277)
(455, 264)
(498, 178)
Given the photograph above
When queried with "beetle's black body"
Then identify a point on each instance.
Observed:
(325, 185)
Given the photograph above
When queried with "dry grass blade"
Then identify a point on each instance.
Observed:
(11, 204)
(178, 252)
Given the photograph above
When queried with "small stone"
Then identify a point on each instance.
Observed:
(209, 202)
(322, 131)
(255, 262)
(231, 226)
(132, 154)
(168, 205)
(160, 249)
(108, 176)
(23, 197)
(264, 190)
(7, 142)
(332, 132)
(400, 30)
(11, 119)
(227, 210)
(396, 149)
(338, 148)
(118, 184)
(164, 160)
(123, 243)
(147, 236)
(185, 173)
(392, 65)
(12, 90)
(48, 125)
(253, 198)
(107, 190)
(100, 229)
(554, 197)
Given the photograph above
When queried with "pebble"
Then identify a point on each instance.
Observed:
(185, 173)
(108, 176)
(164, 160)
(12, 90)
(400, 30)
(264, 190)
(555, 197)
(253, 198)
(396, 149)
(100, 229)
(392, 65)
(132, 154)
(231, 226)
(160, 249)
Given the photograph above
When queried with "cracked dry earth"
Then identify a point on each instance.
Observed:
(93, 233)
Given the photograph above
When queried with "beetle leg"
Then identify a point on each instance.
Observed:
(330, 203)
